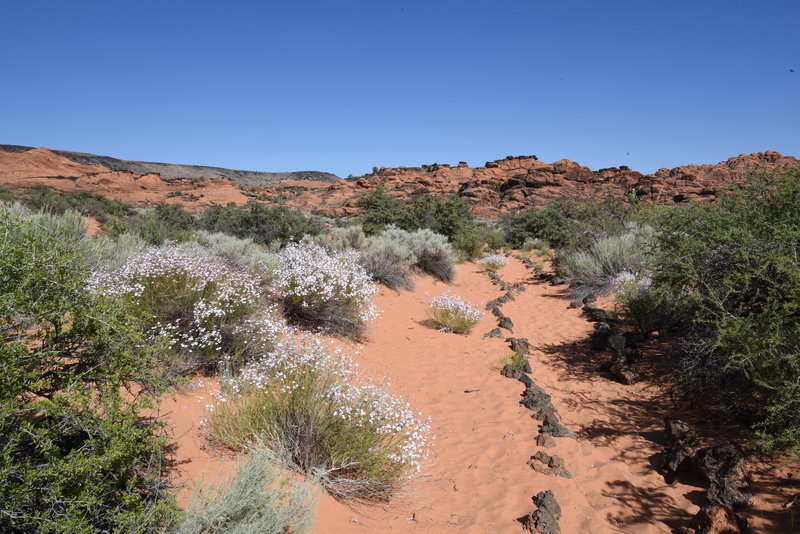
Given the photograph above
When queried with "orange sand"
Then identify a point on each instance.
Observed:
(476, 479)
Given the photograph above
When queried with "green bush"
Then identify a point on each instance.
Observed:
(448, 216)
(260, 499)
(46, 199)
(551, 224)
(734, 265)
(76, 455)
(260, 223)
(166, 222)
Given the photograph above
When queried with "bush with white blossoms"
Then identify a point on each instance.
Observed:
(493, 262)
(305, 401)
(203, 309)
(452, 314)
(323, 289)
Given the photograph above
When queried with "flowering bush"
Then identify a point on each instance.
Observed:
(203, 309)
(493, 262)
(451, 313)
(324, 289)
(305, 401)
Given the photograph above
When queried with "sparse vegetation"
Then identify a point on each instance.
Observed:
(493, 262)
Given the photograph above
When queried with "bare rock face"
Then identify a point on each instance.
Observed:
(513, 183)
(543, 520)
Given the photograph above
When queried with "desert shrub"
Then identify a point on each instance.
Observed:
(493, 262)
(381, 210)
(323, 289)
(601, 267)
(46, 199)
(76, 455)
(261, 223)
(448, 216)
(259, 499)
(451, 313)
(550, 224)
(343, 238)
(242, 252)
(203, 309)
(112, 252)
(165, 222)
(650, 309)
(734, 266)
(305, 401)
(540, 246)
(69, 225)
(388, 258)
(434, 254)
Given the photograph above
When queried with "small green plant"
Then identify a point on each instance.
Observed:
(450, 313)
(493, 262)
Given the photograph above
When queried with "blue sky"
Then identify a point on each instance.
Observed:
(343, 86)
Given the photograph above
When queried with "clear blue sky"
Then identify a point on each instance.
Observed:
(346, 85)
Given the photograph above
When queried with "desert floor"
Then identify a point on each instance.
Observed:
(476, 479)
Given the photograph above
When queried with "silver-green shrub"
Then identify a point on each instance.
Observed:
(261, 498)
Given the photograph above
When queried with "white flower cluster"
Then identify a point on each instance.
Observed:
(308, 361)
(494, 260)
(312, 274)
(457, 307)
(218, 295)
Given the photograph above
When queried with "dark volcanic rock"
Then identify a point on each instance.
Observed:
(535, 399)
(519, 344)
(544, 439)
(680, 440)
(724, 467)
(541, 462)
(543, 520)
(496, 333)
(506, 323)
(599, 339)
(715, 520)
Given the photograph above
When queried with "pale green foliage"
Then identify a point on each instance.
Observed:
(239, 251)
(112, 252)
(596, 268)
(261, 498)
(342, 238)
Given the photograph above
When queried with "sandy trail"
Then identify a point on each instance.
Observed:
(476, 479)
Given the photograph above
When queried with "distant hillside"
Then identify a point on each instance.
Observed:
(171, 171)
